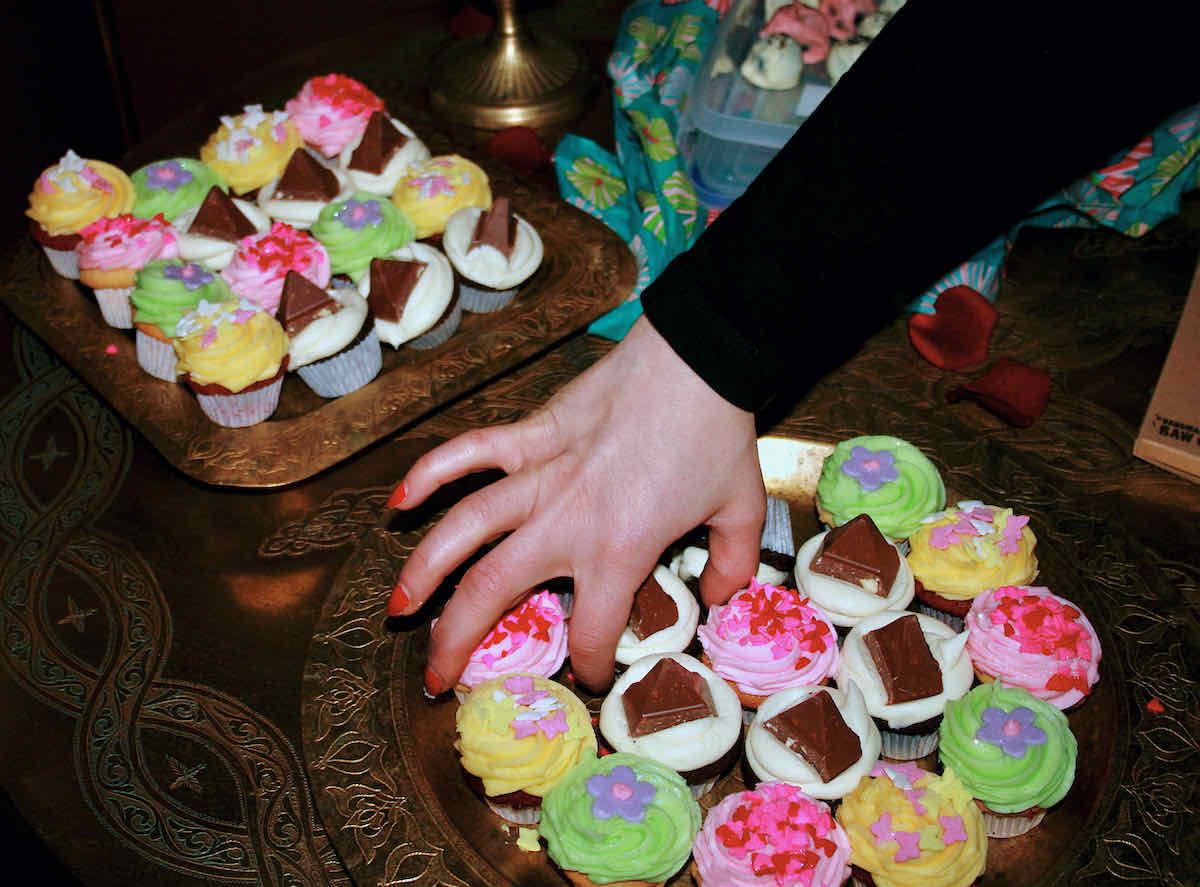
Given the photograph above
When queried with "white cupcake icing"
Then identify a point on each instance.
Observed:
(672, 639)
(871, 24)
(302, 213)
(212, 252)
(689, 564)
(846, 603)
(428, 299)
(331, 332)
(412, 153)
(842, 55)
(774, 62)
(485, 264)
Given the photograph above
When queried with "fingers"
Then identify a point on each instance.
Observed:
(476, 450)
(733, 549)
(600, 613)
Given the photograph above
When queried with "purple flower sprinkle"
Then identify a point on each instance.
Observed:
(190, 274)
(619, 793)
(1013, 731)
(871, 469)
(356, 215)
(169, 174)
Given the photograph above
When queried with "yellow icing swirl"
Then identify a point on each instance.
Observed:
(233, 344)
(251, 149)
(970, 565)
(73, 193)
(432, 193)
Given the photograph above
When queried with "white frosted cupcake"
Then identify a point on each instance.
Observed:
(377, 160)
(494, 251)
(330, 344)
(305, 187)
(664, 618)
(412, 296)
(209, 232)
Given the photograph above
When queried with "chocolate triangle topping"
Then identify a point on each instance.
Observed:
(392, 282)
(667, 695)
(306, 178)
(856, 552)
(496, 227)
(380, 140)
(302, 302)
(220, 218)
(816, 730)
(653, 609)
(903, 659)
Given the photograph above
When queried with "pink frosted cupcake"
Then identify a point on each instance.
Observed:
(766, 639)
(1030, 638)
(112, 250)
(332, 111)
(262, 262)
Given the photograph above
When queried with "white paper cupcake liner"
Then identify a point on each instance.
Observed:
(517, 816)
(346, 371)
(64, 261)
(777, 529)
(479, 300)
(240, 410)
(955, 622)
(440, 333)
(905, 747)
(115, 306)
(156, 357)
(1010, 826)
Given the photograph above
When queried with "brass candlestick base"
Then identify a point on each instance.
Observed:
(510, 77)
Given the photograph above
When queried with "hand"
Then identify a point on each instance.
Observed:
(621, 462)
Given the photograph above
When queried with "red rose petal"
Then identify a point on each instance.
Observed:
(956, 335)
(1155, 706)
(1015, 392)
(520, 147)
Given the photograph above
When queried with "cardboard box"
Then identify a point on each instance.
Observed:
(1170, 433)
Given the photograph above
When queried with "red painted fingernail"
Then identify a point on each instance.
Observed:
(397, 498)
(399, 600)
(434, 685)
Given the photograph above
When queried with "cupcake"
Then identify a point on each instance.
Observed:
(531, 638)
(332, 111)
(494, 251)
(164, 292)
(69, 196)
(673, 709)
(304, 188)
(358, 229)
(853, 571)
(1014, 753)
(620, 819)
(909, 826)
(663, 618)
(413, 297)
(331, 346)
(233, 356)
(766, 639)
(773, 836)
(383, 155)
(112, 250)
(958, 553)
(908, 666)
(817, 738)
(261, 262)
(1031, 638)
(251, 149)
(777, 552)
(168, 187)
(518, 736)
(885, 477)
(430, 194)
(210, 231)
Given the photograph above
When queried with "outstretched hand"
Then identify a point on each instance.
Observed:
(621, 462)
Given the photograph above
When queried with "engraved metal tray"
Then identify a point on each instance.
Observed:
(391, 794)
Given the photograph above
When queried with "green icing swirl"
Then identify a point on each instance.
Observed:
(162, 301)
(897, 506)
(351, 250)
(614, 849)
(149, 201)
(1041, 777)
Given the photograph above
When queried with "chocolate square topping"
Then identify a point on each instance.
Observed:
(306, 178)
(220, 218)
(392, 282)
(496, 227)
(816, 730)
(653, 609)
(302, 302)
(856, 552)
(380, 140)
(667, 695)
(905, 664)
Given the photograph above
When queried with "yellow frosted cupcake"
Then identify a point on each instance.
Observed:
(435, 191)
(252, 148)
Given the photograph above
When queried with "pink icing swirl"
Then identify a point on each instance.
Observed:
(125, 241)
(331, 111)
(262, 261)
(530, 638)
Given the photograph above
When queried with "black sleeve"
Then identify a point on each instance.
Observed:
(957, 120)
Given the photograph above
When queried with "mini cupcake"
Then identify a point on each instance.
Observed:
(168, 187)
(112, 250)
(331, 346)
(853, 571)
(358, 229)
(909, 826)
(663, 618)
(817, 738)
(777, 552)
(958, 553)
(210, 232)
(413, 297)
(908, 667)
(1028, 637)
(620, 819)
(671, 708)
(518, 737)
(262, 261)
(531, 638)
(251, 149)
(383, 155)
(68, 197)
(332, 111)
(164, 292)
(304, 188)
(767, 639)
(773, 836)
(233, 355)
(885, 477)
(430, 194)
(1014, 753)
(494, 251)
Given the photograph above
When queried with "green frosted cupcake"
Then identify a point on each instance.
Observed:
(163, 292)
(620, 818)
(1013, 752)
(171, 186)
(361, 228)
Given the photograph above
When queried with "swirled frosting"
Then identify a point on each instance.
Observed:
(911, 828)
(672, 639)
(774, 836)
(112, 248)
(412, 154)
(251, 149)
(620, 818)
(429, 297)
(358, 229)
(262, 261)
(232, 344)
(846, 602)
(530, 638)
(485, 264)
(433, 192)
(167, 290)
(75, 192)
(331, 111)
(334, 329)
(213, 252)
(971, 547)
(1011, 750)
(1031, 638)
(168, 187)
(885, 477)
